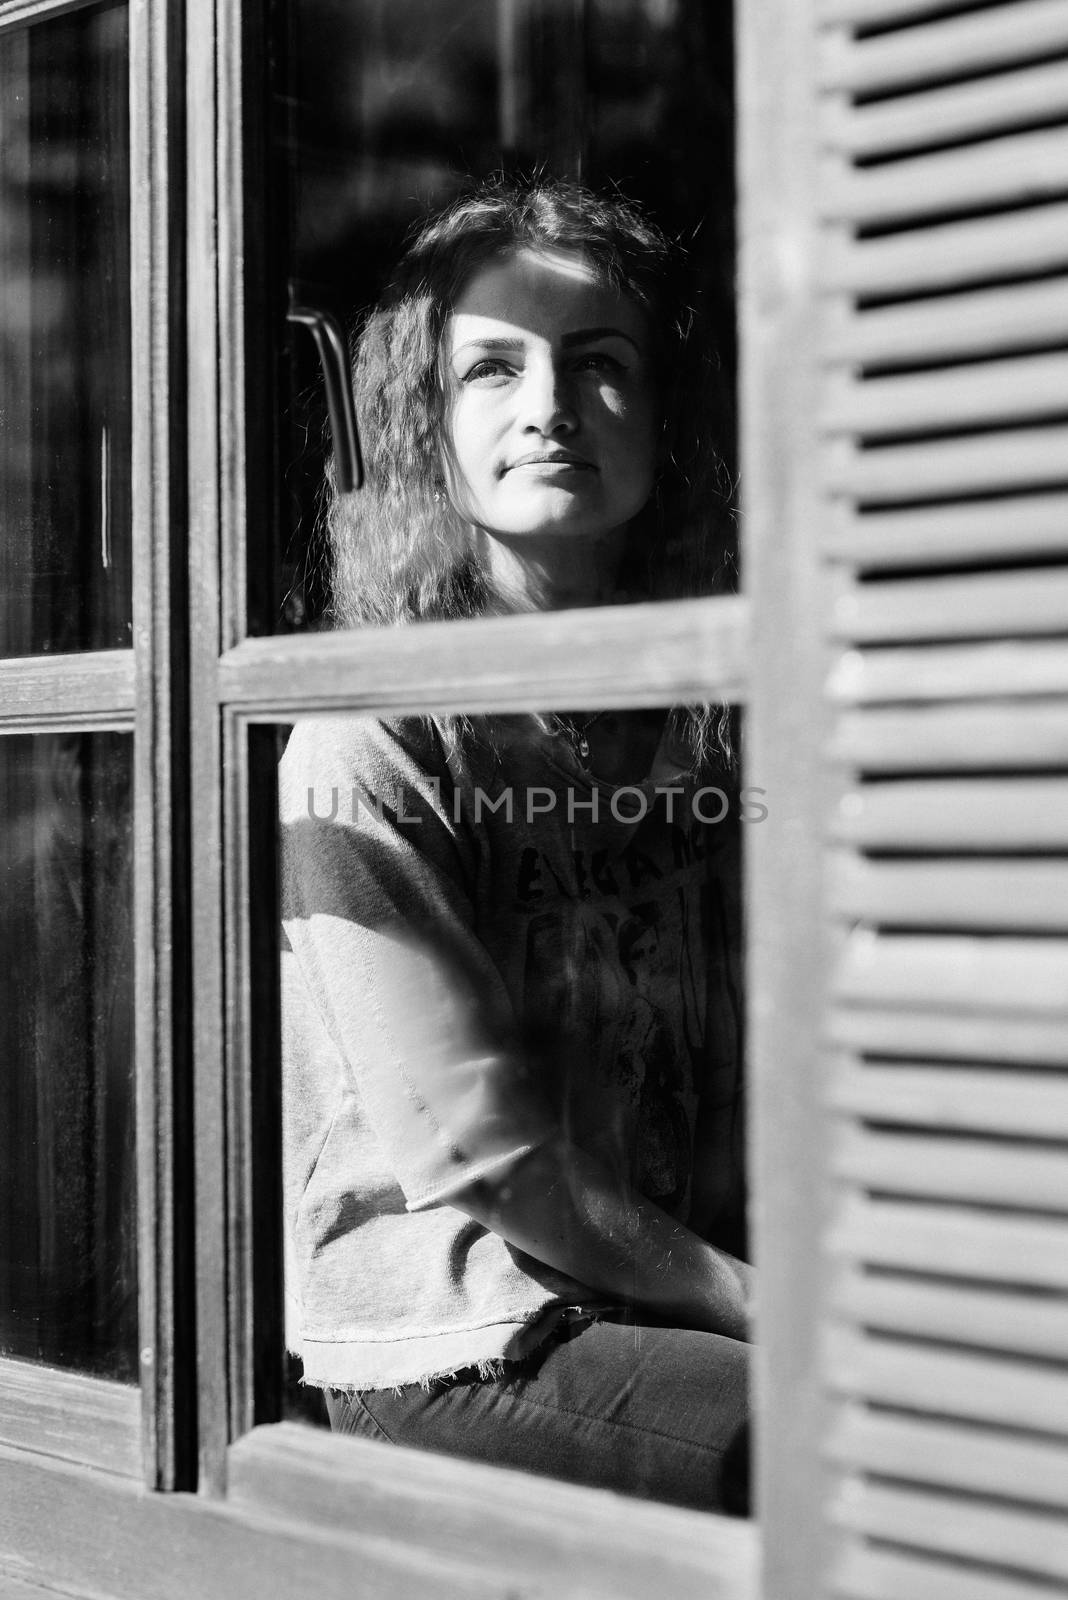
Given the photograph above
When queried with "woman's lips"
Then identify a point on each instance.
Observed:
(555, 461)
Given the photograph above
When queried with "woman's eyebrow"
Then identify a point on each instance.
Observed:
(569, 340)
(591, 335)
(488, 344)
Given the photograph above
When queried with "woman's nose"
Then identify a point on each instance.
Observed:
(549, 402)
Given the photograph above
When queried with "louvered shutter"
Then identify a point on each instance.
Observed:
(943, 421)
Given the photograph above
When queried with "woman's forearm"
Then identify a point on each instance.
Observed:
(566, 1209)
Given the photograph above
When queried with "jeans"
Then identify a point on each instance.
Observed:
(619, 1404)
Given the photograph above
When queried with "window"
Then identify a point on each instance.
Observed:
(71, 778)
(902, 187)
(510, 663)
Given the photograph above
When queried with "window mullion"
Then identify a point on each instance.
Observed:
(161, 842)
(217, 508)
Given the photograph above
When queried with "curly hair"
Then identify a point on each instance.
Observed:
(399, 550)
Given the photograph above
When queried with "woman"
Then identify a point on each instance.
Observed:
(513, 1184)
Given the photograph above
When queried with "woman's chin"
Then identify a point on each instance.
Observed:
(553, 522)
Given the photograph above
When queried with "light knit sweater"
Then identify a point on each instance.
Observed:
(459, 985)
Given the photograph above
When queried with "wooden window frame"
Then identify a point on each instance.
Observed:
(131, 1433)
(628, 656)
(790, 588)
(273, 1496)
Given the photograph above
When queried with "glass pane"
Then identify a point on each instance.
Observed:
(65, 335)
(513, 1106)
(68, 1265)
(385, 112)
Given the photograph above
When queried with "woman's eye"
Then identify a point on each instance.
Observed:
(488, 367)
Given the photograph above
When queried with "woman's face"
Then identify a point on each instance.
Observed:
(552, 417)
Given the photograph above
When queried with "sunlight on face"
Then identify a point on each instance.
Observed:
(552, 414)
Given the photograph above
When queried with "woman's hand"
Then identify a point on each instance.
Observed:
(566, 1209)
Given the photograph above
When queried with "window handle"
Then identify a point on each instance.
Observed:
(330, 343)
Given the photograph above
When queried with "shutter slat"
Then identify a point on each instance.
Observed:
(951, 1169)
(981, 42)
(1012, 99)
(874, 13)
(1018, 168)
(866, 1572)
(950, 254)
(990, 392)
(1028, 1104)
(958, 1243)
(984, 974)
(1035, 1325)
(979, 322)
(982, 605)
(982, 465)
(1023, 527)
(949, 1382)
(987, 736)
(1032, 1541)
(951, 672)
(1021, 895)
(949, 1035)
(952, 815)
(935, 1452)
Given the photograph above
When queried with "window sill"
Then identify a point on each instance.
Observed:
(474, 1523)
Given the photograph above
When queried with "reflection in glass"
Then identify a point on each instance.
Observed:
(387, 110)
(65, 335)
(68, 1282)
(511, 1025)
